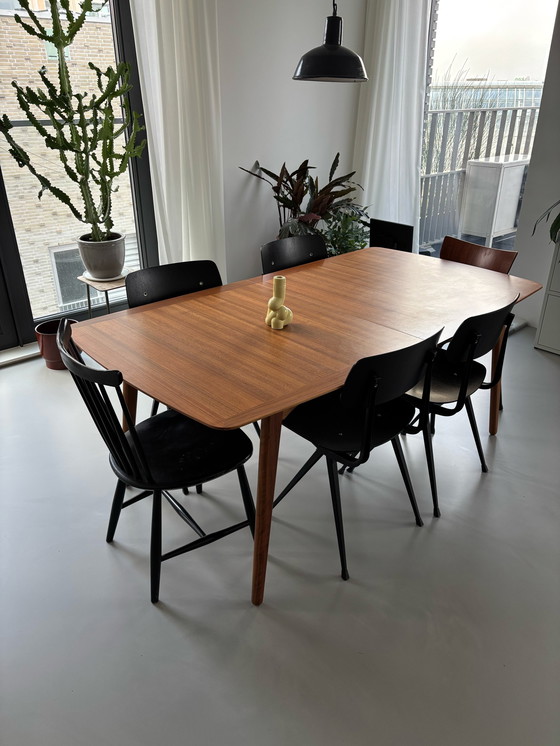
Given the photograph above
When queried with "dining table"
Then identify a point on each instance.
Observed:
(211, 356)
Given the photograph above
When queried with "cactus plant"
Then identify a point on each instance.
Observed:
(82, 128)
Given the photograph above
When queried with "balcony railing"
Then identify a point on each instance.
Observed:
(451, 139)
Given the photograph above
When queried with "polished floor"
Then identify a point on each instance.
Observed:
(444, 635)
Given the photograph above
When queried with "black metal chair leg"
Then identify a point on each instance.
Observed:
(397, 448)
(198, 490)
(155, 547)
(257, 428)
(155, 407)
(433, 423)
(427, 435)
(247, 498)
(344, 467)
(116, 507)
(301, 473)
(474, 428)
(337, 510)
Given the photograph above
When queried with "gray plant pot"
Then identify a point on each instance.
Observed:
(103, 260)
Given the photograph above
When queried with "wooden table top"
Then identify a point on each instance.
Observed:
(211, 356)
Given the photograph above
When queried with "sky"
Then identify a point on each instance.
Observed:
(494, 38)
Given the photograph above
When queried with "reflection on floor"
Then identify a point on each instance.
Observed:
(447, 635)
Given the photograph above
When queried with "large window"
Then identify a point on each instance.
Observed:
(37, 258)
(42, 225)
(483, 106)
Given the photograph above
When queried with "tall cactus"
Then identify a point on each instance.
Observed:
(82, 129)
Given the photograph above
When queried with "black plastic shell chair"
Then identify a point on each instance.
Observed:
(284, 253)
(456, 375)
(163, 453)
(369, 410)
(170, 280)
(390, 235)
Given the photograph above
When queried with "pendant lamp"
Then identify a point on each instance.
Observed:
(331, 61)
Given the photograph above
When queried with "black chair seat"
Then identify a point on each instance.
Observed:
(447, 381)
(327, 424)
(181, 452)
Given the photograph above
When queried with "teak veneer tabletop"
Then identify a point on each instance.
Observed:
(210, 355)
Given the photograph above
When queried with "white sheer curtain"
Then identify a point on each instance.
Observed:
(391, 107)
(177, 48)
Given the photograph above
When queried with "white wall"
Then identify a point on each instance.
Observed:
(542, 188)
(269, 117)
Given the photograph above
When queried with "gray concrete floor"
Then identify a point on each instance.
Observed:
(447, 634)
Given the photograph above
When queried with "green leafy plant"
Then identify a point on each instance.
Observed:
(555, 225)
(83, 129)
(304, 207)
(346, 230)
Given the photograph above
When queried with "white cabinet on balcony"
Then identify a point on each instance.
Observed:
(491, 196)
(548, 330)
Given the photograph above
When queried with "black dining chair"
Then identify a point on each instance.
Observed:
(390, 235)
(170, 281)
(455, 376)
(152, 284)
(284, 253)
(163, 453)
(368, 411)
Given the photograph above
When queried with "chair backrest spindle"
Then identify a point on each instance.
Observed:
(93, 385)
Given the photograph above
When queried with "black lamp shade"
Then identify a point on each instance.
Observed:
(331, 61)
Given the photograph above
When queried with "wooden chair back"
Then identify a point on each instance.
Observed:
(465, 252)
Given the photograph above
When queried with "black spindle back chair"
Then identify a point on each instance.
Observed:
(163, 453)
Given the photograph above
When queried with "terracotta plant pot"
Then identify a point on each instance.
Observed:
(46, 339)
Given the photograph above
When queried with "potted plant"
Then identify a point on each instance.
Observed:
(84, 131)
(555, 225)
(304, 207)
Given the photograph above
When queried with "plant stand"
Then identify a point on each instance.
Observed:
(102, 286)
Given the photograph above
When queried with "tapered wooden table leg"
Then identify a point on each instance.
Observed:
(131, 398)
(268, 462)
(496, 391)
